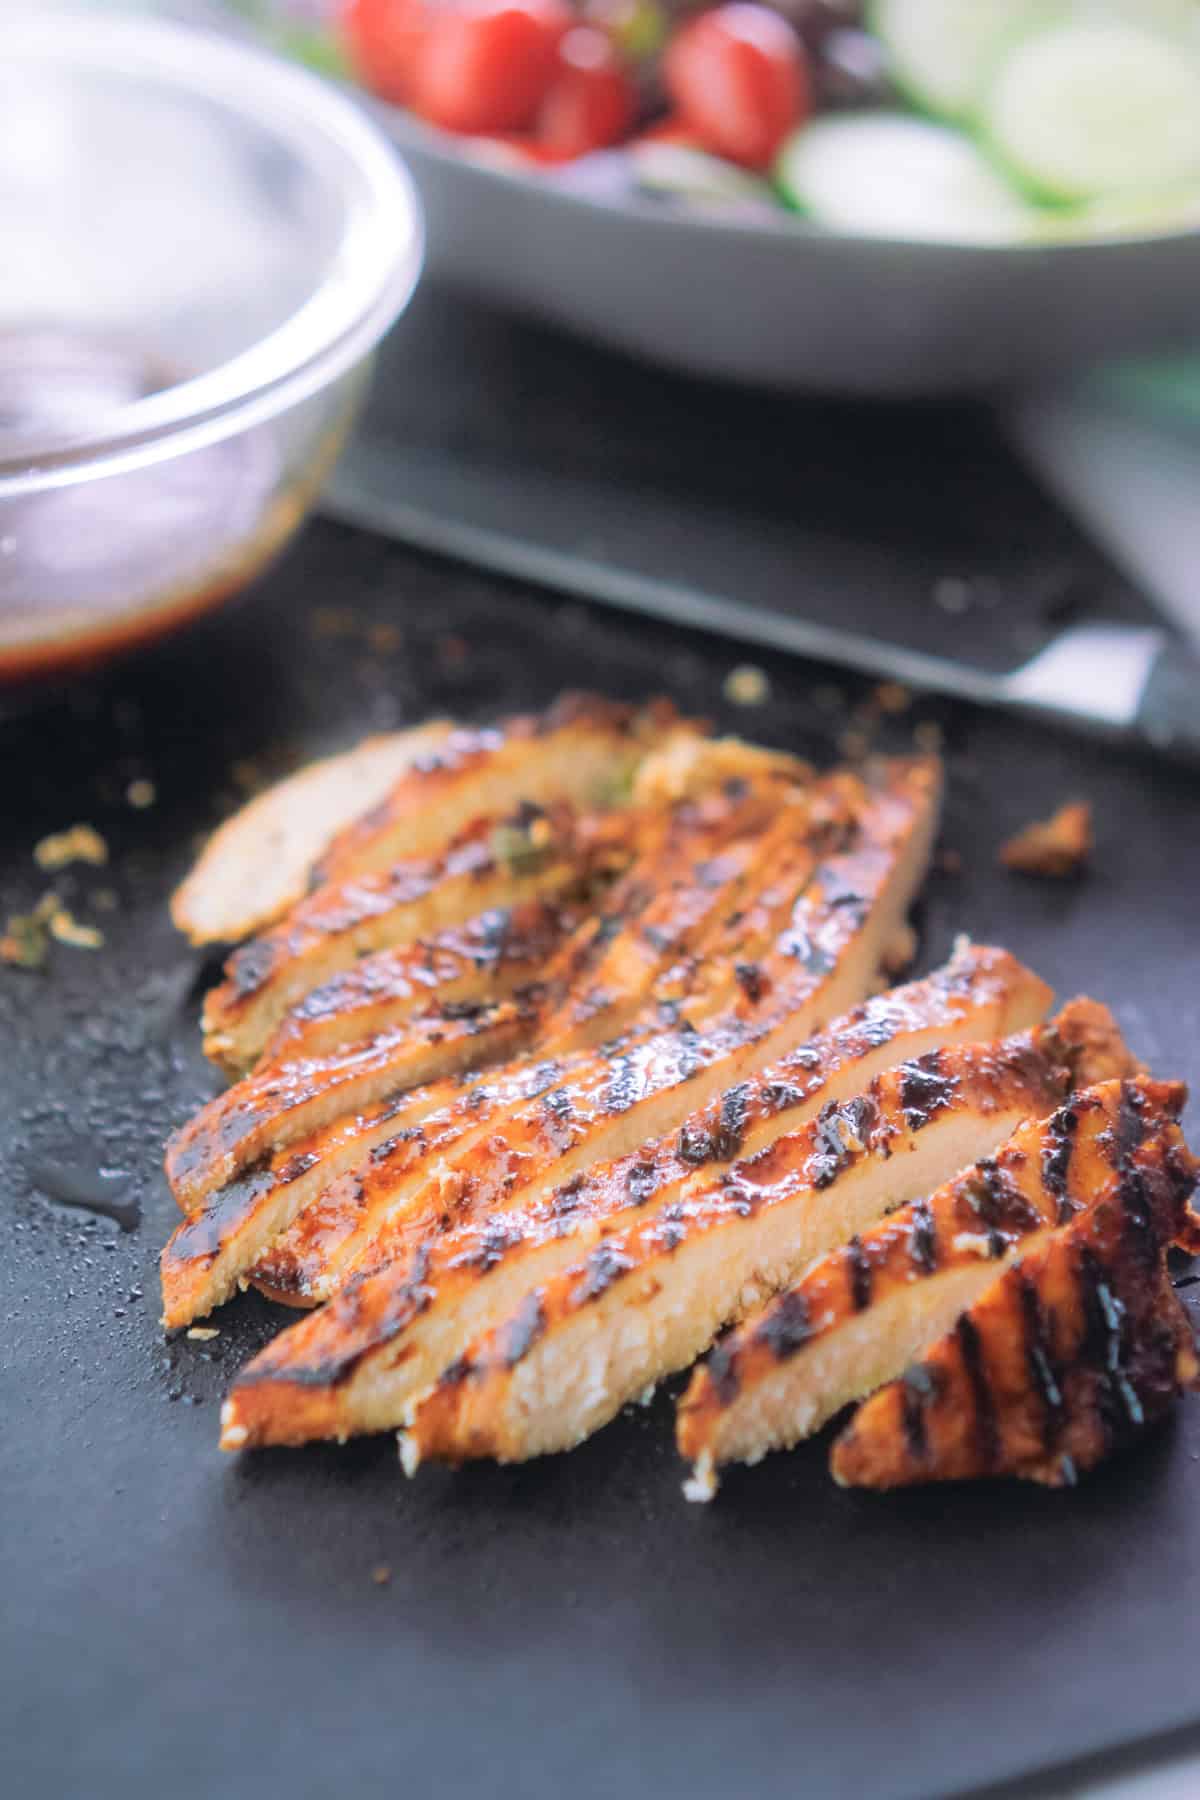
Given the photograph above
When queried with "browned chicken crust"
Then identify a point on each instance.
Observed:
(1070, 1355)
(1055, 847)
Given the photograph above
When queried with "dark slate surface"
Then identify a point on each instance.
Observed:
(176, 1622)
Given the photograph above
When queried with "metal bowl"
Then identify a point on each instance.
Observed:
(202, 246)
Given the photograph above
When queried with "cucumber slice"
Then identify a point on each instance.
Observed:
(943, 51)
(1097, 107)
(889, 175)
(1140, 215)
(681, 173)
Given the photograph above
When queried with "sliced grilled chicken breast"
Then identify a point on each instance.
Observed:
(466, 967)
(645, 1298)
(860, 1314)
(1070, 1353)
(648, 1299)
(261, 860)
(410, 1166)
(329, 931)
(475, 1273)
(373, 908)
(584, 750)
(474, 1276)
(279, 1103)
(825, 959)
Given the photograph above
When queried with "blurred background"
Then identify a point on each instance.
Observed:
(707, 293)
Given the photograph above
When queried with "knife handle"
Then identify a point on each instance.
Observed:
(1168, 714)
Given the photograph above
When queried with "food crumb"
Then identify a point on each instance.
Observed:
(952, 594)
(892, 697)
(66, 929)
(141, 794)
(334, 622)
(746, 685)
(1055, 847)
(79, 843)
(385, 637)
(949, 862)
(105, 899)
(381, 1574)
(25, 940)
(854, 745)
(929, 736)
(203, 1334)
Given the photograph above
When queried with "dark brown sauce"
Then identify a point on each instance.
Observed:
(96, 567)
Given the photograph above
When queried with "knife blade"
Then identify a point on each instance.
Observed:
(1120, 680)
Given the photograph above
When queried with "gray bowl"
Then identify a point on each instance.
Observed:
(763, 298)
(768, 300)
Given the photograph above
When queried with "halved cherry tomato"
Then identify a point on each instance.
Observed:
(739, 77)
(485, 65)
(382, 39)
(591, 100)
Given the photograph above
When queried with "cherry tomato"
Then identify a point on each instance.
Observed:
(591, 100)
(382, 39)
(739, 77)
(485, 65)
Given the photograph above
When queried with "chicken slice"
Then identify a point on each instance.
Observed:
(1067, 1356)
(261, 860)
(864, 1311)
(825, 959)
(584, 750)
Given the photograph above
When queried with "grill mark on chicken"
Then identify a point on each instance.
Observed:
(788, 1327)
(924, 1243)
(860, 1275)
(524, 1331)
(924, 1090)
(1039, 1359)
(1056, 1158)
(1066, 1356)
(919, 1388)
(971, 1350)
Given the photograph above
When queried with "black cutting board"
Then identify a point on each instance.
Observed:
(177, 1622)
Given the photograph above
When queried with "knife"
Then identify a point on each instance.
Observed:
(1134, 682)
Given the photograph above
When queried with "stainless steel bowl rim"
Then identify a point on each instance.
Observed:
(373, 277)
